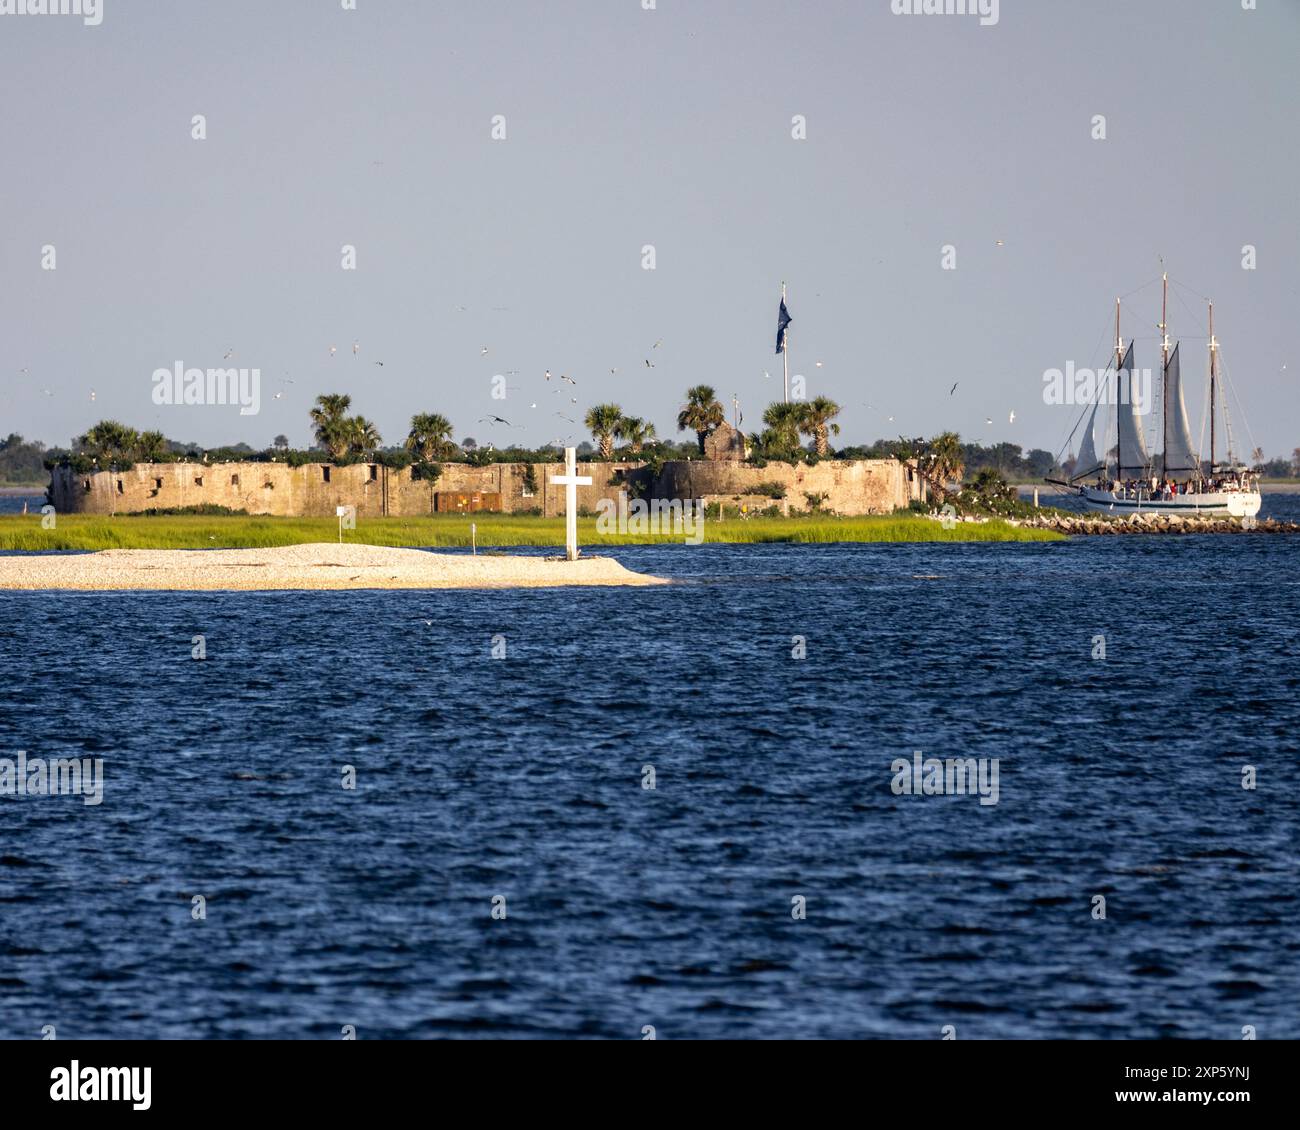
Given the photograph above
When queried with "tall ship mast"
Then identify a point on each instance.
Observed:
(1128, 478)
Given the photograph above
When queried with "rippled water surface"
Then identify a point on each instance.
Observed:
(522, 777)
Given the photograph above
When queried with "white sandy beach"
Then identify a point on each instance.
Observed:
(320, 565)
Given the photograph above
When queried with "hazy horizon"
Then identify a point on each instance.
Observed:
(624, 128)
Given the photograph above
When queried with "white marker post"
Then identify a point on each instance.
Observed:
(339, 511)
(570, 481)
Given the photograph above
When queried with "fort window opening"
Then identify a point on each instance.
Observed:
(326, 472)
(268, 485)
(119, 487)
(87, 484)
(374, 472)
(157, 484)
(198, 480)
(234, 480)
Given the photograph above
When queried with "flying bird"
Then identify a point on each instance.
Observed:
(229, 354)
(615, 370)
(548, 374)
(954, 387)
(333, 350)
(819, 364)
(495, 420)
(380, 364)
(569, 379)
(657, 344)
(483, 352)
(648, 364)
(1012, 418)
(356, 348)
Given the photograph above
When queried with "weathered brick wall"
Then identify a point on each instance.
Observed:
(314, 490)
(858, 486)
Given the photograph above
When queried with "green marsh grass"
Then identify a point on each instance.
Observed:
(91, 532)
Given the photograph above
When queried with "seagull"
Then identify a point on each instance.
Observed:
(356, 348)
(533, 405)
(999, 243)
(277, 396)
(229, 354)
(29, 370)
(483, 352)
(92, 394)
(648, 365)
(766, 374)
(819, 364)
(548, 374)
(569, 379)
(333, 350)
(380, 364)
(988, 419)
(657, 344)
(573, 400)
(615, 370)
(1012, 418)
(48, 392)
(954, 387)
(564, 417)
(495, 420)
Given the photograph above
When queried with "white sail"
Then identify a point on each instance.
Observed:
(1181, 456)
(1133, 457)
(1088, 463)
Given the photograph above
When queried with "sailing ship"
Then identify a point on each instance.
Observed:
(1130, 479)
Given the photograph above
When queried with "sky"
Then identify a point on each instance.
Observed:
(673, 128)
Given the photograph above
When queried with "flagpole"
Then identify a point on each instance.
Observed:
(786, 351)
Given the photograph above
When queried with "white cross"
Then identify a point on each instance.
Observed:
(571, 481)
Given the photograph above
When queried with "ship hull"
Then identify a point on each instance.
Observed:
(1215, 504)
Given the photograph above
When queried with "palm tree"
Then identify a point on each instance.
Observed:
(701, 413)
(636, 431)
(430, 436)
(943, 462)
(110, 441)
(816, 422)
(783, 419)
(329, 420)
(363, 436)
(152, 446)
(603, 421)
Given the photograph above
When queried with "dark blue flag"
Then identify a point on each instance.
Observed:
(783, 319)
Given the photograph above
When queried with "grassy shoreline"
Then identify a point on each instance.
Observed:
(93, 532)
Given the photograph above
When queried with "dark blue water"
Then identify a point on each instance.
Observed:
(626, 907)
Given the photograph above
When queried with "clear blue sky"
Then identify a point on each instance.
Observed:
(628, 127)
